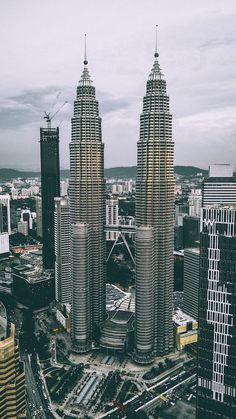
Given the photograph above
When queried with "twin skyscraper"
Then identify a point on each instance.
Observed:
(154, 220)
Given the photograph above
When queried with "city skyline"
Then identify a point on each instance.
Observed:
(202, 99)
(118, 287)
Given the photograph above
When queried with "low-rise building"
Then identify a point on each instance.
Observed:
(33, 286)
(186, 329)
(63, 315)
(117, 332)
(23, 228)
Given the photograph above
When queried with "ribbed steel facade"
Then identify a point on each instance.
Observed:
(62, 251)
(219, 190)
(155, 200)
(87, 190)
(81, 288)
(144, 295)
(191, 282)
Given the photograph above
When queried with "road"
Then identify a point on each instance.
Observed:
(38, 404)
(168, 388)
(149, 399)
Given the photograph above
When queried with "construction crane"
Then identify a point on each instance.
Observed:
(48, 117)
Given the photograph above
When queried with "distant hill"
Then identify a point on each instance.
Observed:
(116, 172)
(130, 171)
(189, 170)
(8, 174)
(121, 172)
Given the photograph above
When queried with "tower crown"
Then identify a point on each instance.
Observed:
(85, 79)
(156, 72)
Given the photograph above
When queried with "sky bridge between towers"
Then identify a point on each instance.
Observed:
(122, 230)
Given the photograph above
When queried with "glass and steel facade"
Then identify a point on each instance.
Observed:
(50, 189)
(144, 295)
(62, 251)
(81, 331)
(155, 200)
(219, 190)
(5, 223)
(191, 282)
(87, 192)
(216, 395)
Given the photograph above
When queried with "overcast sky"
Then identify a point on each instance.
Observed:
(42, 55)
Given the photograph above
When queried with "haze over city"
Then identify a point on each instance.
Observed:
(42, 55)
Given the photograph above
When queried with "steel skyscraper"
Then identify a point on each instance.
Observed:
(62, 251)
(219, 188)
(81, 332)
(5, 223)
(87, 195)
(216, 392)
(50, 189)
(155, 201)
(144, 295)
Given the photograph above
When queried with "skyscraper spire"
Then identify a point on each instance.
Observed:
(85, 49)
(156, 70)
(85, 78)
(156, 55)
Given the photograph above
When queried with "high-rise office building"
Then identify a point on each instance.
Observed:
(144, 295)
(191, 232)
(62, 251)
(112, 214)
(220, 186)
(87, 191)
(181, 211)
(27, 216)
(191, 281)
(12, 376)
(5, 223)
(38, 203)
(81, 331)
(155, 199)
(221, 170)
(195, 203)
(23, 228)
(50, 189)
(216, 393)
(64, 187)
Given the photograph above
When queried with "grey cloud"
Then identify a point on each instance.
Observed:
(111, 105)
(29, 106)
(47, 96)
(15, 117)
(214, 43)
(35, 96)
(197, 55)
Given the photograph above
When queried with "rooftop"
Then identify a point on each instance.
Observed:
(33, 274)
(180, 318)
